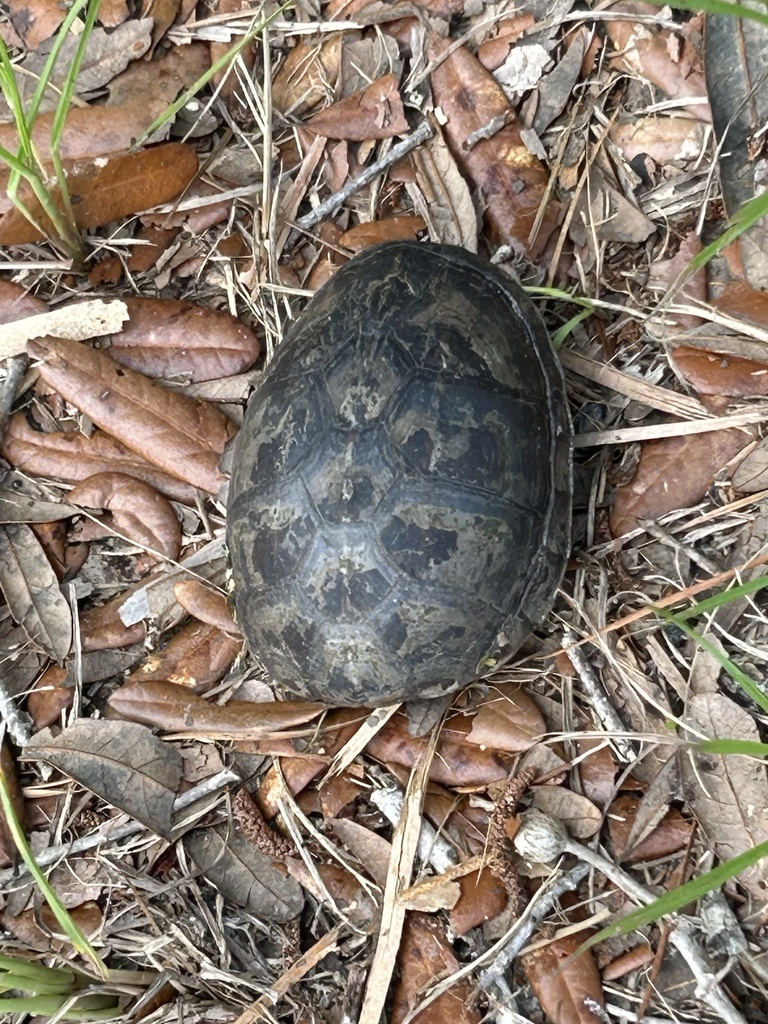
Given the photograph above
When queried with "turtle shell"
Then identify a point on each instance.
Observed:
(402, 481)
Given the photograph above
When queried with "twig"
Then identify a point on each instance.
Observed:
(598, 698)
(433, 848)
(18, 722)
(329, 205)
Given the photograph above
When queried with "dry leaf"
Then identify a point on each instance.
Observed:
(168, 338)
(77, 322)
(372, 850)
(206, 604)
(50, 697)
(425, 957)
(483, 897)
(713, 373)
(72, 457)
(123, 763)
(175, 708)
(673, 473)
(138, 511)
(35, 20)
(512, 181)
(507, 720)
(307, 76)
(752, 473)
(576, 812)
(38, 928)
(663, 139)
(671, 835)
(8, 851)
(32, 591)
(101, 628)
(374, 113)
(196, 656)
(565, 990)
(388, 229)
(180, 435)
(443, 197)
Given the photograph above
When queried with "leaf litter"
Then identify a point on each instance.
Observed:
(575, 149)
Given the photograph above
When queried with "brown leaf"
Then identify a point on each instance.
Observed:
(389, 229)
(663, 139)
(16, 303)
(493, 52)
(123, 763)
(8, 851)
(70, 456)
(206, 604)
(671, 835)
(563, 988)
(597, 771)
(713, 373)
(578, 814)
(307, 76)
(49, 697)
(180, 435)
(109, 189)
(175, 708)
(138, 511)
(645, 49)
(507, 720)
(168, 338)
(38, 928)
(512, 181)
(243, 874)
(101, 628)
(372, 850)
(196, 656)
(35, 20)
(425, 957)
(16, 507)
(752, 473)
(32, 591)
(673, 473)
(373, 113)
(483, 897)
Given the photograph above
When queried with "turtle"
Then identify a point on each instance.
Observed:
(401, 485)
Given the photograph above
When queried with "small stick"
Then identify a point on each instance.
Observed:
(598, 698)
(329, 205)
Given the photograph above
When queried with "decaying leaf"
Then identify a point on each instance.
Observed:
(565, 990)
(182, 436)
(123, 763)
(170, 339)
(507, 720)
(206, 604)
(671, 835)
(196, 656)
(578, 814)
(245, 875)
(482, 898)
(373, 113)
(713, 373)
(71, 456)
(673, 473)
(443, 198)
(138, 511)
(425, 957)
(32, 591)
(513, 182)
(8, 851)
(307, 76)
(389, 229)
(175, 708)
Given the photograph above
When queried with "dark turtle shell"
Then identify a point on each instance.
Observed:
(402, 480)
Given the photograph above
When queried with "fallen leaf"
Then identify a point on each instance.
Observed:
(603, 213)
(576, 812)
(508, 719)
(38, 928)
(512, 181)
(35, 20)
(482, 898)
(752, 472)
(371, 850)
(206, 604)
(71, 456)
(49, 697)
(493, 52)
(373, 113)
(443, 197)
(307, 77)
(17, 507)
(101, 628)
(673, 473)
(168, 338)
(597, 771)
(195, 657)
(107, 189)
(180, 435)
(672, 835)
(565, 989)
(713, 373)
(123, 763)
(728, 793)
(77, 321)
(32, 591)
(138, 511)
(8, 851)
(388, 229)
(663, 139)
(241, 873)
(175, 708)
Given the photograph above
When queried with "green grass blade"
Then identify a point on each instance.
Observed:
(678, 898)
(68, 926)
(731, 10)
(40, 972)
(87, 1007)
(748, 685)
(710, 604)
(45, 75)
(10, 89)
(747, 215)
(747, 748)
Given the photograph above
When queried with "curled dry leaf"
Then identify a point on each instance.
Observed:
(168, 338)
(373, 113)
(512, 181)
(196, 656)
(673, 473)
(175, 708)
(307, 77)
(715, 373)
(565, 989)
(182, 436)
(389, 229)
(507, 720)
(37, 928)
(425, 957)
(576, 812)
(72, 457)
(138, 511)
(671, 835)
(32, 592)
(105, 190)
(206, 604)
(123, 763)
(443, 197)
(102, 629)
